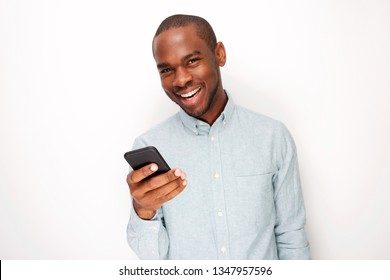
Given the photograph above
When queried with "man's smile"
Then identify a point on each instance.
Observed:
(190, 94)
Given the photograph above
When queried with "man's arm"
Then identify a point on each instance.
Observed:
(146, 232)
(148, 238)
(290, 234)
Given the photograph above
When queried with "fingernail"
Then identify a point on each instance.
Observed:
(153, 167)
(183, 176)
(177, 172)
(184, 183)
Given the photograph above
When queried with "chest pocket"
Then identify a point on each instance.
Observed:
(252, 205)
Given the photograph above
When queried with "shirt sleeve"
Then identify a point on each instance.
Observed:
(290, 234)
(147, 238)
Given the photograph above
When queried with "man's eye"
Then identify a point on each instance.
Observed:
(192, 60)
(165, 71)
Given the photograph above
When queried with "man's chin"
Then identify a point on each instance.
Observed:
(194, 113)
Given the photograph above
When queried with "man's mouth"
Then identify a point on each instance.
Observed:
(190, 94)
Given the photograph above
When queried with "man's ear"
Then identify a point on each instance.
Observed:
(220, 54)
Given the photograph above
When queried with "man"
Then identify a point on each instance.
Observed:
(237, 193)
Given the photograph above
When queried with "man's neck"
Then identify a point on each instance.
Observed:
(218, 107)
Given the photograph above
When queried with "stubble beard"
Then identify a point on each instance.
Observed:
(198, 113)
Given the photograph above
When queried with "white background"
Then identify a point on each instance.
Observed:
(78, 83)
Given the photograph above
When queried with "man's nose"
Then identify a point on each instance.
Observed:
(182, 77)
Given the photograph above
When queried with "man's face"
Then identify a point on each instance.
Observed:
(189, 71)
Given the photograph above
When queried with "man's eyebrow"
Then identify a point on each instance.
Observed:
(196, 52)
(165, 65)
(162, 65)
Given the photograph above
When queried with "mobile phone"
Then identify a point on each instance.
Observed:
(144, 156)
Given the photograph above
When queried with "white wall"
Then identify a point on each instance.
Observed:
(78, 83)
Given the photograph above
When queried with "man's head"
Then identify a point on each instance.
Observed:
(188, 58)
(203, 28)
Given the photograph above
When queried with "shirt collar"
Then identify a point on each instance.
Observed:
(197, 126)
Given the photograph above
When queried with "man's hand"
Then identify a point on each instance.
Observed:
(150, 193)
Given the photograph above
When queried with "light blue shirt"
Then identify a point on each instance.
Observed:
(243, 199)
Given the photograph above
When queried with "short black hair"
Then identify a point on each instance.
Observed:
(203, 28)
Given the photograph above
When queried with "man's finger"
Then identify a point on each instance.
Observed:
(138, 175)
(165, 189)
(165, 178)
(175, 192)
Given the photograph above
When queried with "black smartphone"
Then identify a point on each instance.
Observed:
(144, 156)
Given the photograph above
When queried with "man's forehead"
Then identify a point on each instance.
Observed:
(176, 33)
(177, 40)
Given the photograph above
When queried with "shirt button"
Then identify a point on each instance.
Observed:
(155, 229)
(223, 249)
(219, 213)
(212, 138)
(216, 175)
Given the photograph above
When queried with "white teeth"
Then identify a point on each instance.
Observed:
(191, 93)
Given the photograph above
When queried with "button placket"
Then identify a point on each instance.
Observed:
(218, 192)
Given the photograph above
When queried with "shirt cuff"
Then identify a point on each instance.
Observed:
(141, 226)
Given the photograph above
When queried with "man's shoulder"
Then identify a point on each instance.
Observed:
(265, 127)
(163, 128)
(253, 118)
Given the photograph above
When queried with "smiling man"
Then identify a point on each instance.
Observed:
(235, 193)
